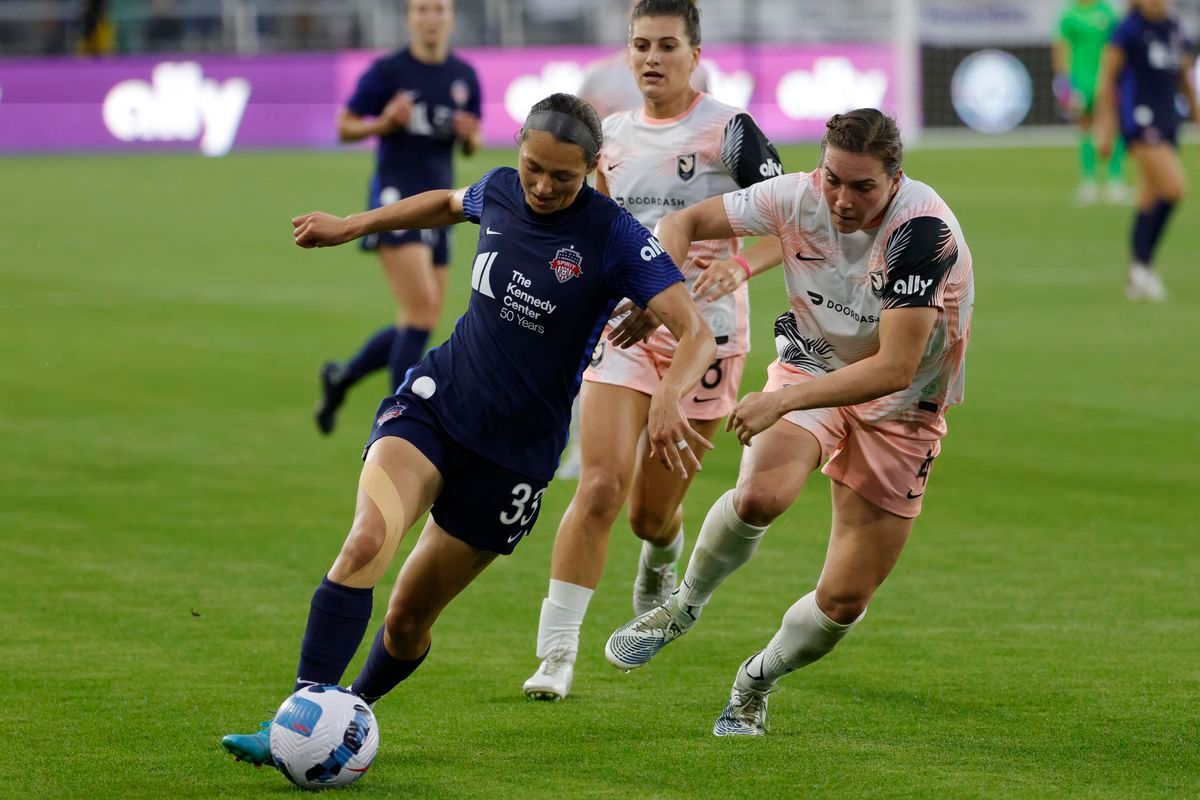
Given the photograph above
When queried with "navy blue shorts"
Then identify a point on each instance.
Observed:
(482, 503)
(1143, 124)
(438, 239)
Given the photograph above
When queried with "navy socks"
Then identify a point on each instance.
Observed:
(337, 620)
(372, 356)
(1148, 227)
(382, 672)
(396, 349)
(407, 348)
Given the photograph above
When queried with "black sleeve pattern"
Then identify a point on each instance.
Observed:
(919, 256)
(747, 154)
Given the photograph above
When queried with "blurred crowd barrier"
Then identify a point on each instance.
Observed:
(218, 74)
(213, 103)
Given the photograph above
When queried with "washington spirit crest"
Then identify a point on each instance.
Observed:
(389, 415)
(460, 93)
(567, 263)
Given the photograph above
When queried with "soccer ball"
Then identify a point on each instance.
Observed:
(323, 737)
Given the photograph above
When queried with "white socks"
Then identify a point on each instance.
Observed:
(653, 556)
(805, 636)
(562, 616)
(724, 544)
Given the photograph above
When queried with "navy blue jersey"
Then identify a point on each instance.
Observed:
(1149, 83)
(418, 157)
(543, 285)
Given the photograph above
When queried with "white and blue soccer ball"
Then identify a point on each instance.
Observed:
(324, 737)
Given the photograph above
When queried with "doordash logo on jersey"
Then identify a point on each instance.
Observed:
(178, 104)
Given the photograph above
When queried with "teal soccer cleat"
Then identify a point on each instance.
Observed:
(253, 748)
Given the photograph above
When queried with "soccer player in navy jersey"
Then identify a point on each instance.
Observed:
(1146, 68)
(475, 432)
(419, 102)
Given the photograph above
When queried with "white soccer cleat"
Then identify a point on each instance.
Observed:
(745, 715)
(652, 586)
(552, 681)
(636, 642)
(1086, 194)
(1118, 193)
(1144, 284)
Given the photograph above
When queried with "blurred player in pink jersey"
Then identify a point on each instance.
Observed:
(871, 353)
(678, 148)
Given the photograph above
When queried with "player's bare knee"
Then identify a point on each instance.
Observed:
(423, 315)
(406, 628)
(601, 494)
(758, 504)
(652, 525)
(366, 539)
(843, 606)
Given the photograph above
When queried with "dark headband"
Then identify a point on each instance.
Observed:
(565, 128)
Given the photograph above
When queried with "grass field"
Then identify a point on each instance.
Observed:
(166, 508)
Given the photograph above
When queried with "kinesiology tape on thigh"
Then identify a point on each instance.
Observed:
(378, 487)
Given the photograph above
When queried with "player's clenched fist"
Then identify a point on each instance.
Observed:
(753, 414)
(318, 229)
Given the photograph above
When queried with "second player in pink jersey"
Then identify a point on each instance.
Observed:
(679, 148)
(870, 353)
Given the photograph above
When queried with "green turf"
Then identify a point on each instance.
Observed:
(166, 509)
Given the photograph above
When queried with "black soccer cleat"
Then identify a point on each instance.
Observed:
(333, 394)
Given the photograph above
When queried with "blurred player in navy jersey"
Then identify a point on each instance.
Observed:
(1145, 73)
(476, 430)
(419, 102)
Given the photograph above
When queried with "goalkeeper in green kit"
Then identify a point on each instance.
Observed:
(1084, 29)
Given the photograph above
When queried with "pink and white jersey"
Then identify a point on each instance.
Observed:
(838, 284)
(656, 166)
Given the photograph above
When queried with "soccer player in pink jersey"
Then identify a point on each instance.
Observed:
(679, 148)
(870, 353)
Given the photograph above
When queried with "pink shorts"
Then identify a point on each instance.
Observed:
(886, 463)
(641, 369)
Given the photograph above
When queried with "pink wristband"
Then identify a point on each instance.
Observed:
(744, 264)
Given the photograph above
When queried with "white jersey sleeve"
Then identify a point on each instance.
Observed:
(764, 209)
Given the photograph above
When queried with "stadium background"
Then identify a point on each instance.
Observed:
(166, 506)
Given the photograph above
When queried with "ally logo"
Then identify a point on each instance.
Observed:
(832, 86)
(178, 104)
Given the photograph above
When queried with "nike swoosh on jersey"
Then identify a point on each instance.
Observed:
(912, 496)
(704, 399)
(491, 232)
(515, 536)
(803, 257)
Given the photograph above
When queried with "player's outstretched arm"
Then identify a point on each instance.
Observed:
(675, 232)
(903, 335)
(723, 276)
(434, 209)
(673, 440)
(706, 220)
